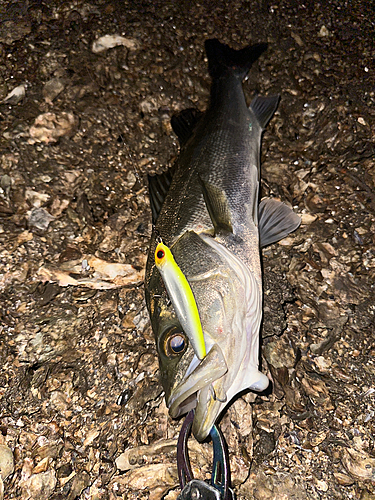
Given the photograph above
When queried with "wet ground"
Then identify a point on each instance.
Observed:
(79, 373)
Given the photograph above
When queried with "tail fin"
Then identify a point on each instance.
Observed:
(223, 60)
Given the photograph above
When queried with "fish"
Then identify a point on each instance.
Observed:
(206, 210)
(183, 301)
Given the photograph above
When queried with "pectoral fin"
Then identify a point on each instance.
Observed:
(217, 206)
(276, 220)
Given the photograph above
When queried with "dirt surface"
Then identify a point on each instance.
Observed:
(79, 372)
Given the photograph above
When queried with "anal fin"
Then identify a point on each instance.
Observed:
(276, 220)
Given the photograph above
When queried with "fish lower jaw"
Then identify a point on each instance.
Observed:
(181, 404)
(184, 407)
(196, 390)
(207, 410)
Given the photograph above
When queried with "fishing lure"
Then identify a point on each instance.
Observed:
(182, 298)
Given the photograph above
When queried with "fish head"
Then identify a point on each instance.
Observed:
(174, 350)
(229, 304)
(182, 374)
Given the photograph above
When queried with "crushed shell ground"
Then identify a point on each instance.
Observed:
(83, 119)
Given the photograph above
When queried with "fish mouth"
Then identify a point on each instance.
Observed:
(199, 391)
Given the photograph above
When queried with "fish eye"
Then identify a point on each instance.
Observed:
(175, 343)
(160, 254)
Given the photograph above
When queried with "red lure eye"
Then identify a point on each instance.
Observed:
(160, 254)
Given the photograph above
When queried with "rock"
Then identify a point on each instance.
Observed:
(343, 479)
(109, 41)
(49, 127)
(359, 465)
(78, 484)
(324, 32)
(6, 461)
(132, 457)
(157, 478)
(280, 353)
(90, 437)
(366, 495)
(53, 88)
(40, 486)
(11, 31)
(42, 466)
(35, 198)
(40, 219)
(16, 95)
(308, 219)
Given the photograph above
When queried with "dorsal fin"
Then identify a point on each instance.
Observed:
(158, 186)
(264, 108)
(184, 123)
(217, 206)
(276, 220)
